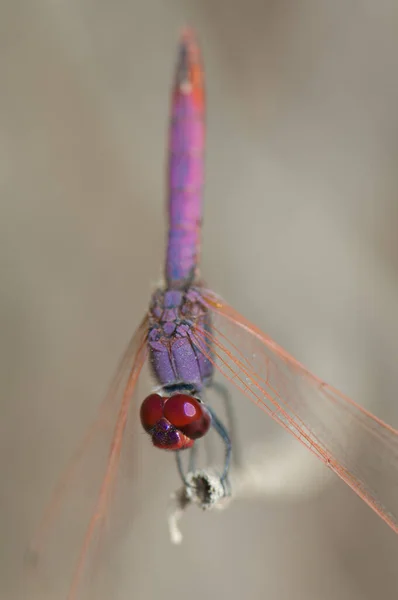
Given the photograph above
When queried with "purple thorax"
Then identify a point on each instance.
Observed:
(177, 324)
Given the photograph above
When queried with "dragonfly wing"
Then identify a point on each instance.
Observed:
(355, 444)
(71, 534)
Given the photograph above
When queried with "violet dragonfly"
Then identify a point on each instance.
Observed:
(189, 333)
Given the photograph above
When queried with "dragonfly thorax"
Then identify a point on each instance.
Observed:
(178, 322)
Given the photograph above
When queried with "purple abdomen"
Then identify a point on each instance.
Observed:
(186, 165)
(179, 354)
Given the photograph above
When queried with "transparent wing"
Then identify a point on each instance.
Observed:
(69, 543)
(356, 445)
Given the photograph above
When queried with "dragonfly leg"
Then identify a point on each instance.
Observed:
(226, 436)
(180, 467)
(224, 393)
(193, 454)
(223, 433)
(191, 465)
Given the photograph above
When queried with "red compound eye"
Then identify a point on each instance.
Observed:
(181, 410)
(188, 415)
(151, 411)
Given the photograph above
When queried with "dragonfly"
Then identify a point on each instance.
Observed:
(190, 333)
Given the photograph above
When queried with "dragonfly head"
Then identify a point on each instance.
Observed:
(174, 422)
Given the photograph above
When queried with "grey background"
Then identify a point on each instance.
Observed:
(300, 235)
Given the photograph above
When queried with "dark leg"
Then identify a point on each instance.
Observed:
(208, 443)
(180, 468)
(192, 458)
(222, 391)
(191, 465)
(223, 433)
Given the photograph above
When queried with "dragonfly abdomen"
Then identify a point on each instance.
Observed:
(186, 166)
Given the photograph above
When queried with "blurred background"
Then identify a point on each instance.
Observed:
(300, 235)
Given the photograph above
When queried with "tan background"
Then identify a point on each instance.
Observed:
(300, 234)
